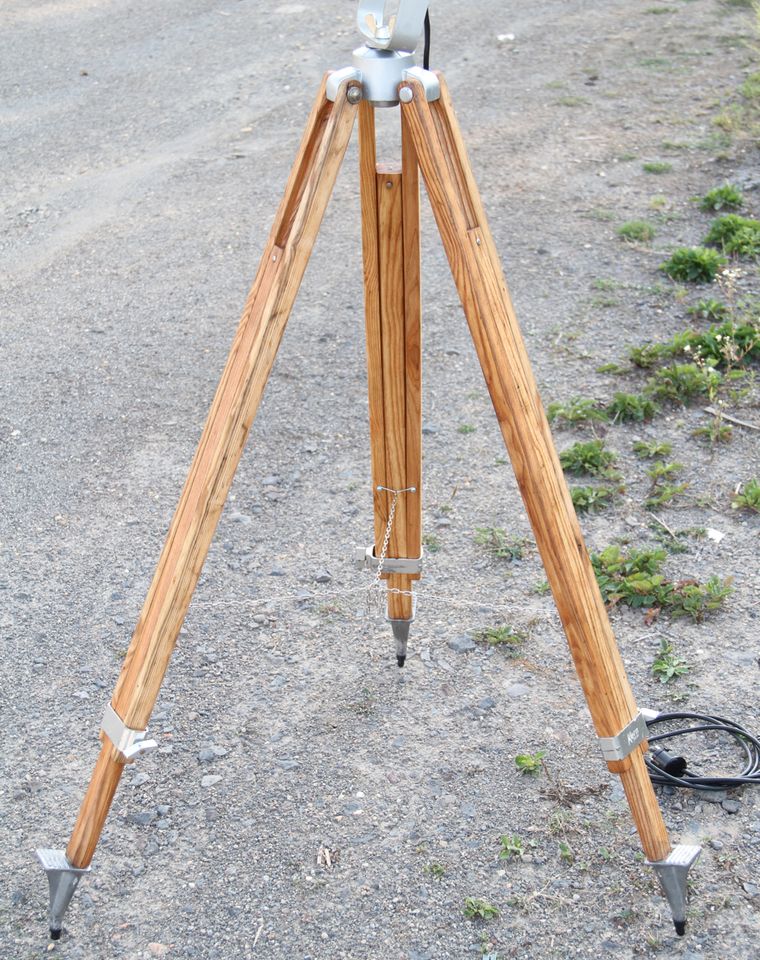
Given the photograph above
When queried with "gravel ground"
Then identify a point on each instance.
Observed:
(145, 148)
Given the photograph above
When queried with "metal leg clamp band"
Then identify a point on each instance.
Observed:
(130, 743)
(63, 880)
(408, 565)
(672, 874)
(618, 747)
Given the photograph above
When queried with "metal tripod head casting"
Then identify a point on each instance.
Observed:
(383, 74)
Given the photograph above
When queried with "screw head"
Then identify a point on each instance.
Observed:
(354, 94)
(406, 94)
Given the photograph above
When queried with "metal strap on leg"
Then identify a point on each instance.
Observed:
(625, 742)
(130, 743)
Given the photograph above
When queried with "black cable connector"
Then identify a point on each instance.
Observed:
(668, 770)
(426, 51)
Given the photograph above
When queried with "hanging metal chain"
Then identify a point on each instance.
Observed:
(388, 528)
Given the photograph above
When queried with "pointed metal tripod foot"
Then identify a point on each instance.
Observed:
(672, 874)
(401, 633)
(63, 880)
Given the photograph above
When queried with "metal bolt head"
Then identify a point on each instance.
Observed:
(354, 94)
(406, 94)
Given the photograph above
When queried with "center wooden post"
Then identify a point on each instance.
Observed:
(390, 241)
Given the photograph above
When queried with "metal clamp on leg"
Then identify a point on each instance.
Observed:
(130, 743)
(625, 742)
(63, 880)
(672, 874)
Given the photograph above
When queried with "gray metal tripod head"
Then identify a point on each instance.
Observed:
(388, 50)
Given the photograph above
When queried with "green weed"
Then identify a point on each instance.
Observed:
(591, 457)
(667, 666)
(466, 428)
(631, 407)
(435, 870)
(637, 231)
(665, 494)
(512, 848)
(577, 410)
(431, 542)
(505, 636)
(657, 167)
(648, 450)
(693, 264)
(477, 909)
(587, 499)
(751, 87)
(566, 852)
(735, 235)
(712, 310)
(748, 497)
(682, 382)
(530, 763)
(726, 197)
(499, 543)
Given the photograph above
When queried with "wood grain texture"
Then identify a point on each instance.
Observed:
(221, 444)
(644, 808)
(390, 233)
(95, 807)
(482, 289)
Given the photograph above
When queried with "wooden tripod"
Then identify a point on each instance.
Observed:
(431, 141)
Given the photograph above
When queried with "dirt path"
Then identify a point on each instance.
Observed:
(145, 148)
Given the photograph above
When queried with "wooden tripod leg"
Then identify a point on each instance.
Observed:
(475, 265)
(221, 445)
(390, 241)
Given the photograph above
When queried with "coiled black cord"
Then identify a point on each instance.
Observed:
(668, 770)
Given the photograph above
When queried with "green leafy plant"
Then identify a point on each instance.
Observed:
(635, 579)
(665, 494)
(693, 264)
(633, 407)
(657, 166)
(499, 543)
(577, 410)
(725, 197)
(709, 309)
(636, 231)
(435, 870)
(505, 636)
(590, 457)
(667, 665)
(735, 235)
(431, 542)
(748, 497)
(476, 908)
(682, 382)
(566, 852)
(530, 763)
(512, 848)
(466, 428)
(591, 498)
(648, 450)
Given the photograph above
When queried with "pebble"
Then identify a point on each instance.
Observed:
(139, 779)
(324, 576)
(716, 844)
(517, 690)
(206, 755)
(731, 806)
(751, 888)
(487, 703)
(143, 818)
(461, 644)
(287, 763)
(210, 779)
(713, 796)
(277, 571)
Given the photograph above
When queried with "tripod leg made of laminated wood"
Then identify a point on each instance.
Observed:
(221, 444)
(390, 243)
(498, 342)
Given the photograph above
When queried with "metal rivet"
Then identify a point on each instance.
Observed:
(389, 184)
(406, 94)
(354, 94)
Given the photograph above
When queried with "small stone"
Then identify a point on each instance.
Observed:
(162, 809)
(139, 779)
(143, 818)
(716, 844)
(731, 806)
(210, 779)
(429, 429)
(278, 571)
(487, 703)
(517, 690)
(206, 755)
(287, 763)
(463, 644)
(713, 796)
(324, 576)
(751, 888)
(158, 949)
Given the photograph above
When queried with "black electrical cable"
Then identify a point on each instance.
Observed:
(668, 770)
(426, 53)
